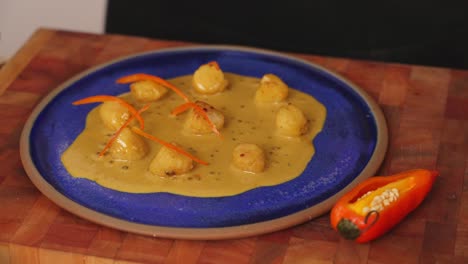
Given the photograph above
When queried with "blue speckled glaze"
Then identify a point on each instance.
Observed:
(343, 148)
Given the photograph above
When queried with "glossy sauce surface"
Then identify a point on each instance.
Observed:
(246, 122)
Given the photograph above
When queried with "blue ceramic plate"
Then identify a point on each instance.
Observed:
(349, 149)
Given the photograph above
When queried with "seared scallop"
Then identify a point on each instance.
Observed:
(169, 162)
(113, 115)
(209, 79)
(249, 158)
(291, 121)
(271, 90)
(128, 146)
(196, 123)
(147, 90)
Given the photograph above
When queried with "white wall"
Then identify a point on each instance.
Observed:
(20, 18)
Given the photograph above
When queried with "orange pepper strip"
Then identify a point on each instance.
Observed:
(143, 76)
(214, 64)
(169, 145)
(116, 134)
(105, 98)
(182, 108)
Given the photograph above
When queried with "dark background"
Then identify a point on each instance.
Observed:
(416, 32)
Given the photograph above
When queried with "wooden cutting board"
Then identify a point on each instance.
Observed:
(427, 114)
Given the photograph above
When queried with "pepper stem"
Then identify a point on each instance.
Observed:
(348, 229)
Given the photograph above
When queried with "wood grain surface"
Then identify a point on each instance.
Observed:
(427, 114)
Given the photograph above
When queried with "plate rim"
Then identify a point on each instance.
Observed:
(202, 233)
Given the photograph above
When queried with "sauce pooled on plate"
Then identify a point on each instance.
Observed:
(247, 120)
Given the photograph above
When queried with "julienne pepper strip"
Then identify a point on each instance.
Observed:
(143, 76)
(182, 108)
(374, 206)
(169, 145)
(106, 98)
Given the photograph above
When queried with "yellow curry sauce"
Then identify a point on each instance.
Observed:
(246, 122)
